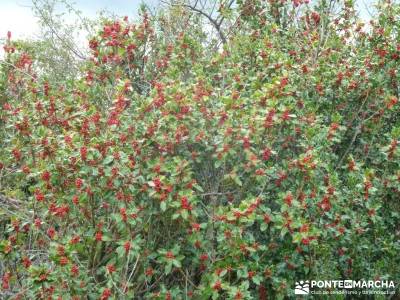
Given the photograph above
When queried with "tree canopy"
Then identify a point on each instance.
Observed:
(205, 150)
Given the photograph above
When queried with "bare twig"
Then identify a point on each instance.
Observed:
(48, 22)
(216, 25)
(18, 69)
(216, 194)
(188, 279)
(133, 269)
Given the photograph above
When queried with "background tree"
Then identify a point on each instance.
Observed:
(179, 163)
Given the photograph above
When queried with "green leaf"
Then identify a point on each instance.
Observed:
(184, 214)
(237, 180)
(108, 159)
(257, 280)
(168, 268)
(177, 263)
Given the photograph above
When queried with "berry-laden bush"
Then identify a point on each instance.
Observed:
(167, 172)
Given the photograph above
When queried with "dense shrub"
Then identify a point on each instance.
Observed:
(165, 171)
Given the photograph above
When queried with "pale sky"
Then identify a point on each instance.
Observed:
(16, 15)
(16, 18)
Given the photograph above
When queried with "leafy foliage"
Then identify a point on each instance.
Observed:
(164, 170)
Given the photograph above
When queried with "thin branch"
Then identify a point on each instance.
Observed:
(223, 17)
(14, 207)
(133, 269)
(216, 25)
(16, 68)
(47, 21)
(187, 278)
(216, 194)
(356, 133)
(10, 202)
